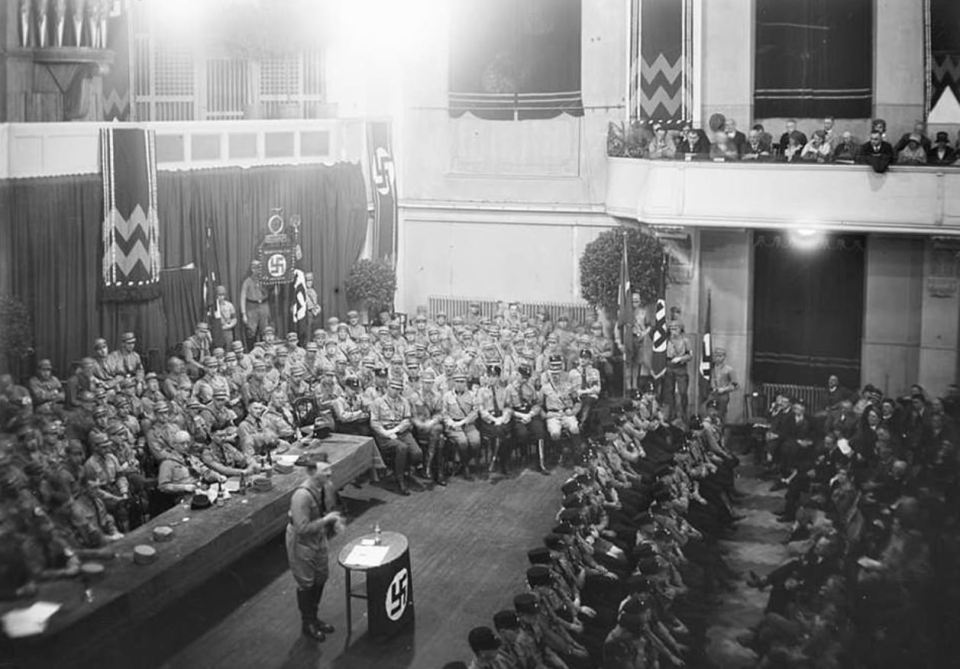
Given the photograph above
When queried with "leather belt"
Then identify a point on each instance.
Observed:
(249, 301)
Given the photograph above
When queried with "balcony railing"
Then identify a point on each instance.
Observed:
(51, 149)
(922, 200)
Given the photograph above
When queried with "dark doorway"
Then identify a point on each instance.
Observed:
(807, 308)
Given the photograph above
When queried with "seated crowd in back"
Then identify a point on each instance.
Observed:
(871, 487)
(824, 145)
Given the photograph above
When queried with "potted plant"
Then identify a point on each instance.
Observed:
(600, 268)
(16, 334)
(370, 285)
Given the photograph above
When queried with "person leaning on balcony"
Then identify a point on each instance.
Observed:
(920, 130)
(941, 153)
(722, 148)
(877, 153)
(785, 137)
(694, 145)
(756, 148)
(847, 149)
(913, 153)
(734, 136)
(793, 149)
(661, 147)
(817, 150)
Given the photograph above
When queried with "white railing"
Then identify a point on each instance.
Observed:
(52, 149)
(921, 200)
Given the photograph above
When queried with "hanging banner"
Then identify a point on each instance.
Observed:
(116, 81)
(383, 181)
(130, 260)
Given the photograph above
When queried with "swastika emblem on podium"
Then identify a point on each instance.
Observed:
(277, 265)
(397, 594)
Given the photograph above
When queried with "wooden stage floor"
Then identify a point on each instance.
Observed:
(468, 546)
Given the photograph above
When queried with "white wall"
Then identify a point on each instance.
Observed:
(476, 195)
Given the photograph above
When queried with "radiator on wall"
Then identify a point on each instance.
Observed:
(815, 397)
(580, 313)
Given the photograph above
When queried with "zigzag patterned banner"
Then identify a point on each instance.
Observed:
(131, 240)
(661, 59)
(945, 73)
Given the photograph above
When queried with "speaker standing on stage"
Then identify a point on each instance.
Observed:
(309, 525)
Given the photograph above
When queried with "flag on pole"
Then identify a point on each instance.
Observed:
(706, 348)
(658, 363)
(299, 307)
(626, 316)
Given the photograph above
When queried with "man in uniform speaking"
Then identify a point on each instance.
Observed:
(310, 523)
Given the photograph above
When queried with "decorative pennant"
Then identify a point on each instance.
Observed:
(131, 230)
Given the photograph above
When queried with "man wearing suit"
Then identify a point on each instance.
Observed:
(797, 449)
(785, 137)
(941, 153)
(694, 145)
(735, 137)
(876, 153)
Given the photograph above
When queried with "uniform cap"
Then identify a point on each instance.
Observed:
(482, 639)
(553, 542)
(100, 410)
(525, 603)
(555, 364)
(353, 314)
(539, 556)
(571, 516)
(237, 346)
(269, 328)
(98, 437)
(494, 370)
(128, 337)
(506, 620)
(45, 364)
(459, 376)
(396, 384)
(221, 395)
(538, 575)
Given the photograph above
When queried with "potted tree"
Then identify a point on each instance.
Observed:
(600, 268)
(371, 285)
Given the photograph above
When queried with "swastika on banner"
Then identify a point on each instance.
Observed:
(383, 175)
(397, 595)
(277, 265)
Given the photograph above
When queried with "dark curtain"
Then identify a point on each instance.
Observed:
(807, 310)
(944, 48)
(182, 303)
(515, 59)
(235, 203)
(53, 226)
(814, 58)
(55, 244)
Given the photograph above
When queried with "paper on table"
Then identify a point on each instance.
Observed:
(366, 556)
(26, 622)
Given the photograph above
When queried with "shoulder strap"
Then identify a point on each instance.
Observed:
(318, 500)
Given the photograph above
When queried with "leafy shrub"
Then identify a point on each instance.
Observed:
(600, 267)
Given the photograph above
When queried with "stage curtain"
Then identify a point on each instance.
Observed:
(235, 203)
(182, 303)
(515, 59)
(814, 58)
(808, 310)
(55, 251)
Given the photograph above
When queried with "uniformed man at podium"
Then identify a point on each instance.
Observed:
(311, 521)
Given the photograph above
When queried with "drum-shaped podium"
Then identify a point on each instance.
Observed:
(389, 581)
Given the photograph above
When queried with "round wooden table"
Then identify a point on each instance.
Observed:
(389, 591)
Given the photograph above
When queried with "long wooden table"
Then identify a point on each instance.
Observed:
(204, 542)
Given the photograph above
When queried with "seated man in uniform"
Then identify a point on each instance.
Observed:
(390, 420)
(495, 402)
(182, 471)
(351, 414)
(585, 379)
(222, 455)
(528, 423)
(426, 404)
(460, 417)
(562, 406)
